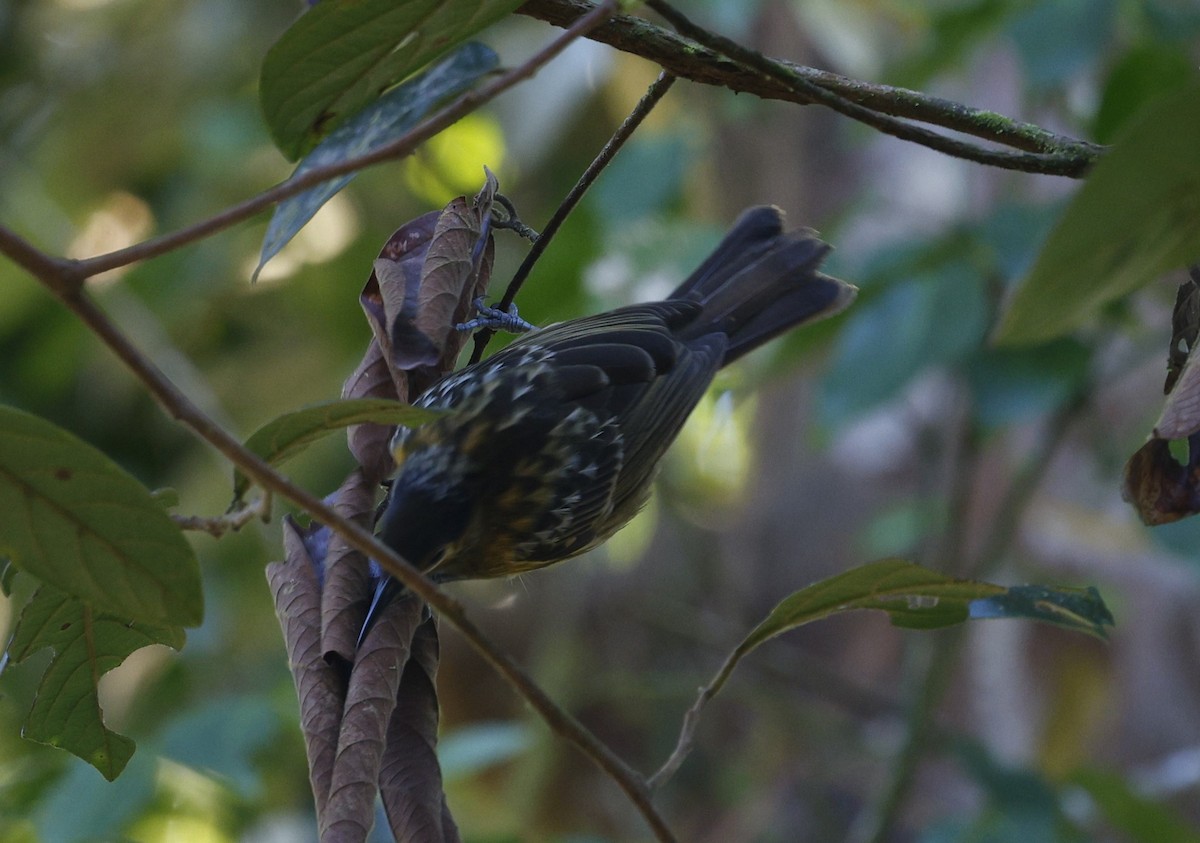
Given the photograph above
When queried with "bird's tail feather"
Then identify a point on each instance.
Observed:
(761, 281)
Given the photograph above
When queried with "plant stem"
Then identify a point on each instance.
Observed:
(625, 131)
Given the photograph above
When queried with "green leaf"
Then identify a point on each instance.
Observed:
(339, 56)
(1080, 609)
(166, 497)
(8, 573)
(912, 596)
(1137, 216)
(288, 435)
(73, 518)
(919, 598)
(379, 123)
(1144, 73)
(87, 644)
(1143, 820)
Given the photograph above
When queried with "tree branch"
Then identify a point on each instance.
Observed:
(219, 525)
(729, 66)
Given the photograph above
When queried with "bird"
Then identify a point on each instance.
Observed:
(548, 447)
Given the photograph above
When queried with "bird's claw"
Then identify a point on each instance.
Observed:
(495, 319)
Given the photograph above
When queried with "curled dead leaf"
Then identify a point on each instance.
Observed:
(296, 586)
(1161, 488)
(424, 282)
(369, 443)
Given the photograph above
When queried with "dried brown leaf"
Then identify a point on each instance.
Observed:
(370, 701)
(457, 269)
(369, 443)
(297, 593)
(406, 247)
(390, 293)
(348, 581)
(410, 780)
(1160, 488)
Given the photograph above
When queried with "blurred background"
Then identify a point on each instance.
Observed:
(892, 430)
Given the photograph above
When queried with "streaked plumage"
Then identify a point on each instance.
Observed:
(550, 445)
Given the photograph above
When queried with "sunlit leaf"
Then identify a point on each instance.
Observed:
(1137, 216)
(375, 125)
(73, 518)
(340, 56)
(87, 644)
(289, 434)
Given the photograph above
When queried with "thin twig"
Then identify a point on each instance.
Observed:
(38, 264)
(217, 526)
(398, 148)
(657, 90)
(691, 720)
(624, 132)
(1068, 156)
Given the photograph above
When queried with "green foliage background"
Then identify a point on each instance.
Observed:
(889, 431)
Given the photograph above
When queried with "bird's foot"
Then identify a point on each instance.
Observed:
(495, 319)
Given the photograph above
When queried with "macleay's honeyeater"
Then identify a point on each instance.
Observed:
(550, 445)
